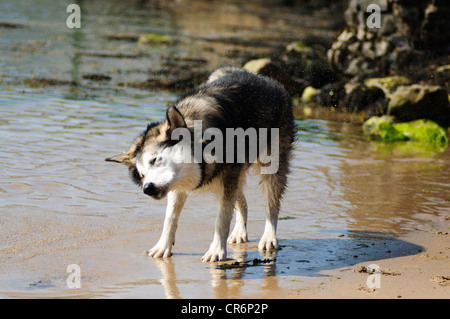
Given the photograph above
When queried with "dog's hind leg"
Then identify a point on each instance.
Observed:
(272, 186)
(239, 233)
(175, 203)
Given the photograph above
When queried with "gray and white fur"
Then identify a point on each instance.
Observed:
(231, 98)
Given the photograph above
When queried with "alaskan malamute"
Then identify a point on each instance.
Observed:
(246, 114)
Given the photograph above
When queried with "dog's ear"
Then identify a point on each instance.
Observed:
(174, 118)
(124, 158)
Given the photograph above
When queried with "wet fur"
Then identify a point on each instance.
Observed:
(231, 98)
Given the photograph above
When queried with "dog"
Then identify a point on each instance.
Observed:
(231, 98)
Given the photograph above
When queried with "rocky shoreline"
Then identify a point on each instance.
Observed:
(400, 69)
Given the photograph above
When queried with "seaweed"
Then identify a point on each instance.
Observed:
(245, 264)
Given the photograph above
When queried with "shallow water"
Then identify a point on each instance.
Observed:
(348, 199)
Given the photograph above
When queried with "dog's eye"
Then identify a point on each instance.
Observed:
(152, 161)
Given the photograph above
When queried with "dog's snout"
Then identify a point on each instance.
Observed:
(150, 189)
(157, 192)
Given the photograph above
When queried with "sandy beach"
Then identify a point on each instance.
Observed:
(113, 265)
(421, 276)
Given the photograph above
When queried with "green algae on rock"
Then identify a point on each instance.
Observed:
(424, 131)
(153, 38)
(388, 83)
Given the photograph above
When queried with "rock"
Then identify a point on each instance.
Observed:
(308, 62)
(388, 133)
(153, 38)
(404, 59)
(417, 101)
(443, 70)
(388, 83)
(43, 82)
(425, 131)
(338, 54)
(96, 77)
(382, 48)
(354, 66)
(363, 4)
(399, 41)
(388, 25)
(361, 67)
(109, 54)
(309, 93)
(9, 25)
(317, 73)
(360, 97)
(331, 94)
(122, 37)
(367, 50)
(299, 47)
(441, 75)
(353, 97)
(267, 67)
(259, 65)
(176, 82)
(371, 127)
(409, 35)
(441, 280)
(354, 47)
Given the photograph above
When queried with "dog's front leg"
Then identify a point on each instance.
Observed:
(175, 203)
(218, 249)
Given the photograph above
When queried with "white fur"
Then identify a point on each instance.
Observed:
(218, 249)
(169, 170)
(178, 176)
(175, 171)
(239, 233)
(182, 178)
(175, 204)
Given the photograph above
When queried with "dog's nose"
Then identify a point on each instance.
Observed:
(150, 189)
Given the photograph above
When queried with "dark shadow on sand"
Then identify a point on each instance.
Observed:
(297, 257)
(308, 257)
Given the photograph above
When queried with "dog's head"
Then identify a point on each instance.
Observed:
(155, 160)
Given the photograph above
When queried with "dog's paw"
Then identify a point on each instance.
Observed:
(268, 242)
(238, 236)
(160, 251)
(214, 254)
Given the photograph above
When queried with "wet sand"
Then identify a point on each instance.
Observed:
(421, 276)
(114, 265)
